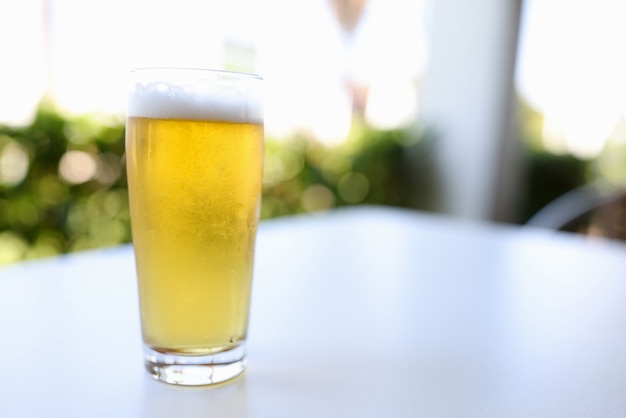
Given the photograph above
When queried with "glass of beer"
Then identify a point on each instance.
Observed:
(194, 150)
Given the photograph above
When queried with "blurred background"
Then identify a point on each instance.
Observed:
(486, 110)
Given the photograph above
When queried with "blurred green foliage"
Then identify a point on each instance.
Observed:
(598, 183)
(370, 167)
(547, 175)
(63, 184)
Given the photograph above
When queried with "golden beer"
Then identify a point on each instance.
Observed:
(195, 190)
(194, 199)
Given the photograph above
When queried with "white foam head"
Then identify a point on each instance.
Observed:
(195, 94)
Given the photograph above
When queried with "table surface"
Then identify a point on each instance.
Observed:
(359, 312)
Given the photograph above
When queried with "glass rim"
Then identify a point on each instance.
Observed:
(216, 71)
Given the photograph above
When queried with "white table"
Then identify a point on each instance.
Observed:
(359, 312)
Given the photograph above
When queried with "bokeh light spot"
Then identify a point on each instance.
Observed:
(14, 163)
(353, 187)
(77, 167)
(12, 247)
(317, 198)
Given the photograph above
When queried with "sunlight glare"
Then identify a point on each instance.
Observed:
(22, 80)
(574, 75)
(391, 104)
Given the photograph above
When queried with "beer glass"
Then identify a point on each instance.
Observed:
(194, 150)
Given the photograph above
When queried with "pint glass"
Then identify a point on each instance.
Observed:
(194, 150)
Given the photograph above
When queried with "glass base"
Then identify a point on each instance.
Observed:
(184, 370)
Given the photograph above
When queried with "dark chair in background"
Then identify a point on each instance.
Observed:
(595, 209)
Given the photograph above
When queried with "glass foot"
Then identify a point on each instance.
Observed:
(184, 370)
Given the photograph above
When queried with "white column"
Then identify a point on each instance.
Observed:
(466, 98)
